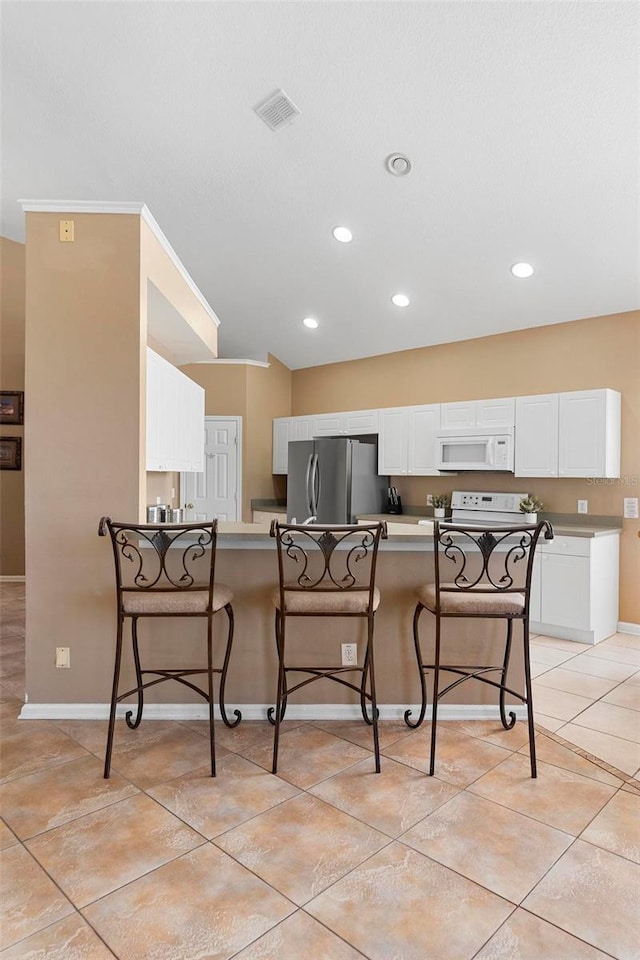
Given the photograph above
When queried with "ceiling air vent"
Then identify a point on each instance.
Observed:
(277, 110)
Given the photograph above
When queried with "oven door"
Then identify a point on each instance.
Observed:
(475, 453)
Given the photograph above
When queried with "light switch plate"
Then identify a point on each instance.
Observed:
(630, 508)
(583, 506)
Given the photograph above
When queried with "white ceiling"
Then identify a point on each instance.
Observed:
(521, 121)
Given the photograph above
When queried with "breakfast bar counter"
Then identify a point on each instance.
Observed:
(246, 562)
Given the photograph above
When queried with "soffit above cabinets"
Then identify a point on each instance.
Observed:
(166, 328)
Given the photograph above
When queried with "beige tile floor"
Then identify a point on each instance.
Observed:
(327, 860)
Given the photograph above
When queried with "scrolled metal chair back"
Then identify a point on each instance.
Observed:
(328, 558)
(154, 557)
(488, 559)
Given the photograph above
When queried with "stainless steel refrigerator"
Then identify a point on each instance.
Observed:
(334, 480)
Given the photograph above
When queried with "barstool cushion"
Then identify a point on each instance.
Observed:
(326, 601)
(176, 601)
(465, 602)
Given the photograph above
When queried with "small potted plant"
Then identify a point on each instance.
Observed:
(530, 506)
(440, 503)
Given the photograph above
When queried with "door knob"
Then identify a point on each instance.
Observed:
(189, 506)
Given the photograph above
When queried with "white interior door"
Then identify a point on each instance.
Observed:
(216, 491)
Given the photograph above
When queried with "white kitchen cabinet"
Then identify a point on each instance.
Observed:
(407, 441)
(282, 428)
(422, 449)
(392, 441)
(493, 415)
(327, 425)
(351, 423)
(301, 428)
(175, 418)
(361, 422)
(536, 436)
(589, 434)
(573, 434)
(575, 588)
(455, 416)
(496, 413)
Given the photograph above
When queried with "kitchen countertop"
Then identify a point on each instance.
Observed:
(255, 536)
(272, 506)
(562, 527)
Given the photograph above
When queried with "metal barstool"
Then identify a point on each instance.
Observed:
(326, 571)
(488, 576)
(160, 573)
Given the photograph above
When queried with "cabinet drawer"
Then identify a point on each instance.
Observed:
(570, 546)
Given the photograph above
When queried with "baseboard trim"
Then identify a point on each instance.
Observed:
(258, 711)
(632, 628)
(10, 579)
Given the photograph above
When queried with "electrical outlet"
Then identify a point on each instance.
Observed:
(583, 506)
(63, 658)
(429, 499)
(349, 654)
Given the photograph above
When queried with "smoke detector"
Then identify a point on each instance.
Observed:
(277, 110)
(398, 164)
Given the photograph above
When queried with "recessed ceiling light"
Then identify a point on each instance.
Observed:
(310, 322)
(522, 270)
(400, 300)
(343, 234)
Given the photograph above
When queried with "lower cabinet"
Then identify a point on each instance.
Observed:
(574, 591)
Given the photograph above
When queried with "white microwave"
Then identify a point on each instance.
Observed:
(475, 450)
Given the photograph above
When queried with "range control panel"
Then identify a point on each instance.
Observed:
(499, 502)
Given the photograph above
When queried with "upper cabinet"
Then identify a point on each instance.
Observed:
(471, 414)
(352, 423)
(589, 434)
(284, 430)
(556, 434)
(407, 441)
(573, 434)
(175, 418)
(281, 437)
(536, 443)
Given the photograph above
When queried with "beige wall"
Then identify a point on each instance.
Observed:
(12, 267)
(86, 337)
(584, 354)
(258, 395)
(84, 381)
(268, 394)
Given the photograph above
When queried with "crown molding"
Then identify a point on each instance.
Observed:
(82, 206)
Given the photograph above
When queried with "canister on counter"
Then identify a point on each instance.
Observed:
(176, 515)
(158, 513)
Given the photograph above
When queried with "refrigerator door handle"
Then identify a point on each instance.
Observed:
(307, 482)
(315, 486)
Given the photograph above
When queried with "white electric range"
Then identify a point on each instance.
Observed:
(486, 508)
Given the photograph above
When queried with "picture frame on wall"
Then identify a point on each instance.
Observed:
(11, 406)
(10, 453)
